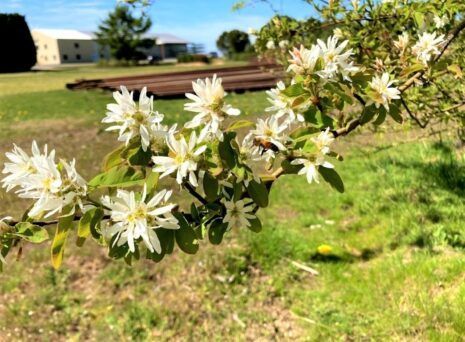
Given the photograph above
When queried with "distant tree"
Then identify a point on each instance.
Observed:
(234, 41)
(123, 32)
(19, 52)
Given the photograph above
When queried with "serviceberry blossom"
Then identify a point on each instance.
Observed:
(238, 213)
(158, 135)
(402, 42)
(335, 59)
(282, 105)
(381, 92)
(271, 131)
(283, 44)
(324, 141)
(440, 22)
(182, 159)
(355, 4)
(208, 102)
(427, 46)
(304, 60)
(310, 167)
(53, 186)
(270, 45)
(131, 218)
(132, 119)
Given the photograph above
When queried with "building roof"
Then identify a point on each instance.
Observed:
(167, 38)
(65, 34)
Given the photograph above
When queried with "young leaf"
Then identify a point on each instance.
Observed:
(113, 158)
(88, 223)
(240, 124)
(227, 153)
(31, 233)
(119, 176)
(65, 224)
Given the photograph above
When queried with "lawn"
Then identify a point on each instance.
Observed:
(393, 269)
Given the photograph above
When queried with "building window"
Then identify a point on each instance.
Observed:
(46, 58)
(78, 57)
(45, 46)
(54, 57)
(65, 57)
(76, 45)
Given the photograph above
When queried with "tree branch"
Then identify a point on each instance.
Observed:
(194, 193)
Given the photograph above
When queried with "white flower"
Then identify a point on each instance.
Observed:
(335, 59)
(270, 45)
(283, 44)
(132, 218)
(303, 60)
(310, 167)
(40, 178)
(21, 165)
(324, 141)
(271, 131)
(382, 92)
(440, 22)
(282, 105)
(427, 45)
(337, 32)
(158, 135)
(182, 159)
(238, 213)
(208, 102)
(131, 119)
(402, 42)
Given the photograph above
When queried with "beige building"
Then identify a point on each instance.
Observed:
(65, 46)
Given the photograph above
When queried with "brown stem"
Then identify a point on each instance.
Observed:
(413, 116)
(194, 193)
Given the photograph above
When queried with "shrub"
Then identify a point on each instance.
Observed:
(20, 54)
(192, 58)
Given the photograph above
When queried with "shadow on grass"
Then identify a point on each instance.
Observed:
(365, 254)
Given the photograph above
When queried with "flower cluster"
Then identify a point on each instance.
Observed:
(208, 102)
(133, 120)
(53, 186)
(133, 218)
(325, 59)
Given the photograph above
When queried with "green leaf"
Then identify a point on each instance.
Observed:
(255, 225)
(311, 115)
(31, 233)
(113, 158)
(88, 223)
(240, 124)
(294, 90)
(120, 176)
(210, 187)
(303, 132)
(216, 231)
(185, 236)
(412, 69)
(166, 237)
(394, 112)
(259, 193)
(368, 114)
(332, 177)
(137, 156)
(65, 224)
(151, 182)
(227, 153)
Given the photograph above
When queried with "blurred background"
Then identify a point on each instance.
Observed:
(382, 261)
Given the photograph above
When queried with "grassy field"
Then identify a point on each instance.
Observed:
(395, 271)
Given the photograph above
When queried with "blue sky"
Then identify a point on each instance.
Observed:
(199, 21)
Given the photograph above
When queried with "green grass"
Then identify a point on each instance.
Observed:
(396, 268)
